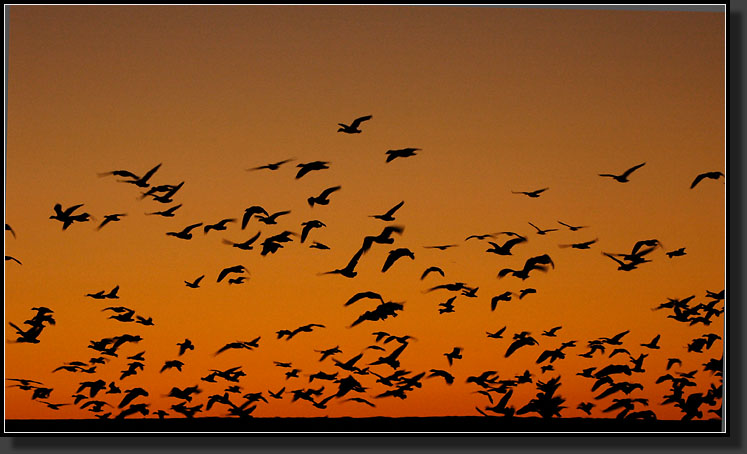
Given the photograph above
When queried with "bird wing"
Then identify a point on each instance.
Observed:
(632, 169)
(358, 121)
(394, 209)
(329, 191)
(150, 173)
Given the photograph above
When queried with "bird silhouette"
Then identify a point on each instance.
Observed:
(532, 194)
(132, 394)
(184, 346)
(322, 199)
(456, 353)
(676, 253)
(623, 178)
(382, 312)
(250, 345)
(310, 166)
(551, 332)
(246, 245)
(389, 215)
(583, 245)
(505, 296)
(185, 233)
(521, 339)
(395, 255)
(289, 334)
(498, 334)
(353, 128)
(11, 258)
(231, 269)
(251, 211)
(362, 295)
(110, 218)
(8, 228)
(505, 248)
(272, 219)
(220, 225)
(526, 291)
(349, 269)
(534, 263)
(653, 344)
(401, 153)
(168, 213)
(573, 228)
(711, 175)
(443, 374)
(385, 237)
(66, 216)
(308, 225)
(134, 179)
(540, 231)
(272, 166)
(586, 407)
(432, 269)
(195, 283)
(318, 245)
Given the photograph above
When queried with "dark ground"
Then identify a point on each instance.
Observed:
(431, 425)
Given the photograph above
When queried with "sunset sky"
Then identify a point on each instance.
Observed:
(496, 99)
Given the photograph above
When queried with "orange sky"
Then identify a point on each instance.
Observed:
(498, 99)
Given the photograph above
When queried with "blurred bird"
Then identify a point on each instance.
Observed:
(353, 127)
(532, 194)
(271, 166)
(623, 178)
(311, 166)
(711, 175)
(322, 199)
(389, 215)
(402, 153)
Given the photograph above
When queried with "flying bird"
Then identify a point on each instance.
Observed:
(271, 166)
(532, 194)
(110, 218)
(185, 233)
(220, 225)
(623, 178)
(195, 283)
(322, 199)
(711, 175)
(676, 253)
(308, 225)
(362, 295)
(505, 248)
(389, 215)
(521, 339)
(168, 213)
(353, 128)
(573, 228)
(540, 231)
(231, 269)
(402, 153)
(311, 166)
(432, 269)
(583, 245)
(456, 353)
(246, 245)
(534, 263)
(272, 219)
(396, 254)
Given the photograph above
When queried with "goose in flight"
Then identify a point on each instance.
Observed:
(505, 296)
(195, 283)
(349, 269)
(456, 353)
(66, 216)
(583, 245)
(110, 218)
(540, 231)
(389, 215)
(169, 213)
(532, 194)
(676, 253)
(505, 248)
(308, 225)
(272, 219)
(534, 263)
(185, 234)
(711, 175)
(220, 225)
(231, 269)
(134, 179)
(322, 199)
(249, 345)
(246, 245)
(572, 228)
(623, 178)
(432, 269)
(362, 295)
(496, 335)
(249, 212)
(271, 166)
(385, 237)
(353, 128)
(521, 339)
(396, 254)
(310, 166)
(401, 153)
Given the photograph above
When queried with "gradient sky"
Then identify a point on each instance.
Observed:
(498, 99)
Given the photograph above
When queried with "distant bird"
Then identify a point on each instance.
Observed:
(432, 269)
(185, 233)
(676, 253)
(8, 228)
(311, 166)
(573, 228)
(246, 245)
(586, 407)
(672, 361)
(271, 166)
(237, 280)
(272, 219)
(396, 254)
(441, 247)
(11, 258)
(616, 339)
(526, 291)
(653, 343)
(532, 194)
(362, 295)
(533, 263)
(623, 178)
(551, 332)
(278, 394)
(308, 225)
(711, 175)
(250, 345)
(520, 340)
(134, 179)
(447, 306)
(251, 211)
(389, 215)
(172, 364)
(195, 283)
(353, 127)
(132, 394)
(231, 269)
(401, 153)
(184, 346)
(498, 334)
(443, 374)
(540, 231)
(360, 400)
(322, 199)
(318, 245)
(349, 269)
(385, 237)
(505, 249)
(584, 245)
(329, 352)
(301, 329)
(456, 353)
(110, 218)
(505, 296)
(382, 312)
(169, 213)
(66, 216)
(220, 225)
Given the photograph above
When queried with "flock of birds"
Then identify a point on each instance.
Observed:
(363, 382)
